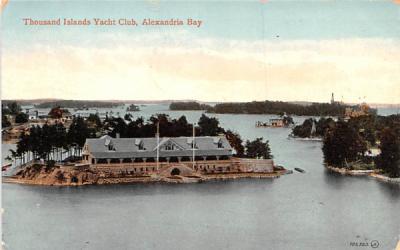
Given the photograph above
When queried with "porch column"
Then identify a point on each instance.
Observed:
(217, 157)
(121, 160)
(108, 161)
(95, 160)
(133, 160)
(144, 159)
(167, 159)
(204, 158)
(179, 159)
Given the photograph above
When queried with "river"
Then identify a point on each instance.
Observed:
(314, 210)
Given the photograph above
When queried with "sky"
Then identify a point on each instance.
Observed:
(243, 51)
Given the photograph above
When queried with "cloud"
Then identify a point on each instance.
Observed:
(162, 66)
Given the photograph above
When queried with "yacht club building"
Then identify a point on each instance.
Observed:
(168, 156)
(177, 149)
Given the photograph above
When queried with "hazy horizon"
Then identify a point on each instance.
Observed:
(256, 50)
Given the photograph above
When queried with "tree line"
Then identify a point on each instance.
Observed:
(279, 108)
(321, 126)
(189, 106)
(265, 107)
(50, 141)
(79, 104)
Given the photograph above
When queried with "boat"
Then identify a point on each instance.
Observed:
(273, 123)
(300, 170)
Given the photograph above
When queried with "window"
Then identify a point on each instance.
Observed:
(220, 144)
(169, 146)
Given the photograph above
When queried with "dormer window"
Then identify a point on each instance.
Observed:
(192, 143)
(108, 143)
(169, 146)
(217, 141)
(111, 147)
(139, 143)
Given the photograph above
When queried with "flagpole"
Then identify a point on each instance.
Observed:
(193, 143)
(158, 143)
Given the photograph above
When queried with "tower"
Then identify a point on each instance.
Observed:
(332, 99)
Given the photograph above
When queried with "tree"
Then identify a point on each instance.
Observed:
(236, 142)
(287, 120)
(303, 130)
(78, 133)
(128, 117)
(94, 119)
(258, 149)
(389, 159)
(4, 121)
(21, 118)
(343, 144)
(209, 126)
(13, 108)
(56, 112)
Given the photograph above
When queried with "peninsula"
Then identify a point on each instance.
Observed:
(118, 151)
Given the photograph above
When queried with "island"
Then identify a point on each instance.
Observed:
(270, 107)
(132, 108)
(159, 150)
(364, 145)
(189, 106)
(77, 104)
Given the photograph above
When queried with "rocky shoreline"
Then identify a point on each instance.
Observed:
(371, 173)
(82, 178)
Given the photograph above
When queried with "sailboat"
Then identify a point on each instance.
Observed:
(313, 129)
(313, 133)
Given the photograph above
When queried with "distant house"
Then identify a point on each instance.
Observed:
(32, 114)
(362, 110)
(85, 113)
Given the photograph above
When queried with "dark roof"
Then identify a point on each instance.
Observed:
(108, 147)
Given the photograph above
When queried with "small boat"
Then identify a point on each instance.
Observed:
(300, 170)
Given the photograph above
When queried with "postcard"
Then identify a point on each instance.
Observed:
(166, 124)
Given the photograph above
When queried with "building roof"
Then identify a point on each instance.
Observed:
(108, 147)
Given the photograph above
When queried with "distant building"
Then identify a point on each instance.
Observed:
(85, 113)
(362, 110)
(275, 123)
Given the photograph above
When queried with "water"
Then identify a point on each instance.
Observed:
(315, 210)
